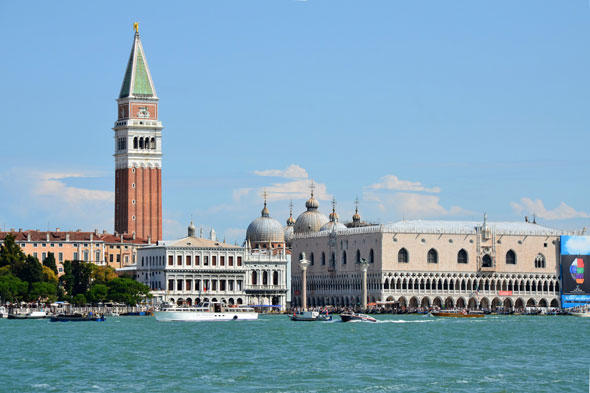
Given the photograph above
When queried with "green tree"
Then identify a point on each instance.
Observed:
(79, 300)
(10, 252)
(98, 293)
(49, 261)
(66, 282)
(128, 291)
(29, 271)
(102, 274)
(43, 291)
(12, 288)
(81, 272)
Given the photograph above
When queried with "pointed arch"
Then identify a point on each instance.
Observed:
(403, 256)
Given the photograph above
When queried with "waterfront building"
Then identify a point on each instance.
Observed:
(193, 269)
(138, 151)
(100, 248)
(431, 263)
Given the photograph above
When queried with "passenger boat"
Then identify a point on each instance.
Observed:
(205, 312)
(458, 314)
(583, 312)
(90, 317)
(28, 315)
(351, 316)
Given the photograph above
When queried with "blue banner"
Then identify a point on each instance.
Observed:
(568, 301)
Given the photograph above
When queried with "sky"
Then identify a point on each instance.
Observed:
(420, 109)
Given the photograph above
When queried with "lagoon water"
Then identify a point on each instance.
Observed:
(399, 354)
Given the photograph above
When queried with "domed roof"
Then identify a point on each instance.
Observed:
(333, 225)
(265, 229)
(191, 229)
(311, 220)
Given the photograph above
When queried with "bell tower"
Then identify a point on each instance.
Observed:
(138, 151)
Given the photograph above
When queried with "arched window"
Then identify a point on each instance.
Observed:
(344, 257)
(311, 258)
(141, 143)
(402, 256)
(432, 256)
(511, 258)
(358, 256)
(540, 261)
(371, 256)
(323, 258)
(462, 256)
(135, 143)
(264, 278)
(153, 143)
(300, 256)
(486, 261)
(333, 260)
(254, 278)
(275, 278)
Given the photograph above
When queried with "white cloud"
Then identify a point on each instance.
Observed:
(412, 206)
(240, 193)
(293, 171)
(392, 182)
(52, 185)
(536, 207)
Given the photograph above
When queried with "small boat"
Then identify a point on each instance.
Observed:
(90, 317)
(351, 316)
(3, 312)
(458, 314)
(324, 316)
(28, 315)
(205, 312)
(307, 316)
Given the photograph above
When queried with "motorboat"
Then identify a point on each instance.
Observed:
(458, 314)
(28, 315)
(205, 312)
(77, 317)
(352, 317)
(3, 312)
(306, 316)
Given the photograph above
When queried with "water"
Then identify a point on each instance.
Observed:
(273, 354)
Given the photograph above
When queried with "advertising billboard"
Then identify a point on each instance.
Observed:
(575, 274)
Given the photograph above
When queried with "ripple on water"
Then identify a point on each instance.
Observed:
(399, 354)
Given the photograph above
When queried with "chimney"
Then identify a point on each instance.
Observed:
(133, 235)
(67, 236)
(96, 231)
(29, 236)
(91, 236)
(47, 236)
(57, 229)
(149, 239)
(104, 231)
(20, 229)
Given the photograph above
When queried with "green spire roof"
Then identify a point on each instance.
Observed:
(138, 81)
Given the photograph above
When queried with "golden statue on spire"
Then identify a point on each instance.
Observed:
(136, 27)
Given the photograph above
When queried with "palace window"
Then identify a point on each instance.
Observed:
(170, 260)
(311, 259)
(358, 256)
(206, 260)
(402, 256)
(462, 256)
(511, 258)
(486, 261)
(230, 260)
(540, 261)
(213, 260)
(323, 258)
(432, 256)
(179, 260)
(221, 260)
(371, 256)
(188, 260)
(344, 257)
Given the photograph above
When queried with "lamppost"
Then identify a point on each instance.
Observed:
(364, 268)
(304, 263)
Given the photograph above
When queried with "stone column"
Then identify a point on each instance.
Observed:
(304, 263)
(364, 267)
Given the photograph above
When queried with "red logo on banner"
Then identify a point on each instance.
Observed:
(505, 293)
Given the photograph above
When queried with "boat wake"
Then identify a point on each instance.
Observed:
(405, 321)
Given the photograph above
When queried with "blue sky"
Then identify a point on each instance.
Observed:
(422, 109)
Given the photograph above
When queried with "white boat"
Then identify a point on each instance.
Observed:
(3, 312)
(28, 314)
(352, 316)
(305, 316)
(206, 312)
(583, 312)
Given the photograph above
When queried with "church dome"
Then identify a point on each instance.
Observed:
(265, 229)
(191, 229)
(311, 220)
(289, 233)
(333, 225)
